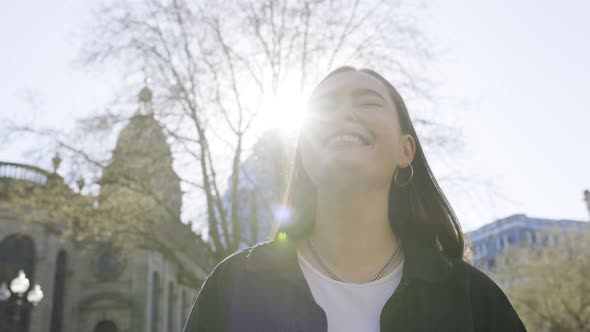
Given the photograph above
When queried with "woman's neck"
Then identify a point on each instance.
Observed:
(353, 234)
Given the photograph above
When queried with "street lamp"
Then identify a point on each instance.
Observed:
(19, 286)
(4, 292)
(35, 295)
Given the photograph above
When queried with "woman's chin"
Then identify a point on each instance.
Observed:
(345, 165)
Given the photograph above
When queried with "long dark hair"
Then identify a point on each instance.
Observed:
(418, 211)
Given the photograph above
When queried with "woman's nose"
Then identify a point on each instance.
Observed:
(347, 112)
(339, 112)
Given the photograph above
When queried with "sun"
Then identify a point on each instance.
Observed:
(284, 110)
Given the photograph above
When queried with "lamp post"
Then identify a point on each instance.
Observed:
(20, 294)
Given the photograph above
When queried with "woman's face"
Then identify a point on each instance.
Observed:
(351, 135)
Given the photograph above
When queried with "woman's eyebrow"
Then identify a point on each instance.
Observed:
(367, 92)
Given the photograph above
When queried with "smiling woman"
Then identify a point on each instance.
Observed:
(370, 243)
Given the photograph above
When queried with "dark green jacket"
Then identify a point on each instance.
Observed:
(262, 288)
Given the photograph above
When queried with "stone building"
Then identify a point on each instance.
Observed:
(146, 288)
(488, 241)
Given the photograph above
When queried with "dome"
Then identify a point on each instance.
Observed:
(143, 154)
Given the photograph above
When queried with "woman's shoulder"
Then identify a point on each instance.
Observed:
(241, 258)
(206, 313)
(231, 260)
(490, 304)
(474, 280)
(477, 280)
(230, 263)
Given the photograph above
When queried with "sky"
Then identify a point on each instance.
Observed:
(517, 73)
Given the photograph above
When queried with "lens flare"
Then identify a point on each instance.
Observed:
(282, 213)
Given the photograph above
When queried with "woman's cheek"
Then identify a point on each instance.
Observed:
(310, 144)
(387, 143)
(309, 151)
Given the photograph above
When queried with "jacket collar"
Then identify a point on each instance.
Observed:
(279, 256)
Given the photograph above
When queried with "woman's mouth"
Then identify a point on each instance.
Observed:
(348, 136)
(345, 140)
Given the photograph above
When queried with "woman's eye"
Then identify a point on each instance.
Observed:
(369, 104)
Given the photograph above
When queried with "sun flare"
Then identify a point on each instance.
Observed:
(283, 111)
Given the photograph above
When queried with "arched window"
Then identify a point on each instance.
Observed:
(59, 287)
(105, 326)
(170, 320)
(155, 302)
(17, 252)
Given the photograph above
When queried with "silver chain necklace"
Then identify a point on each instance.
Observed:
(334, 276)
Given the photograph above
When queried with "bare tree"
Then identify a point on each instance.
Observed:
(213, 64)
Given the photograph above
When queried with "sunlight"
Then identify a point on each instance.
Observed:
(283, 111)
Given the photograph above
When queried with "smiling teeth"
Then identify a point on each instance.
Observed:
(346, 138)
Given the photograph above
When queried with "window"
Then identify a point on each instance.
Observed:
(59, 284)
(511, 239)
(155, 312)
(105, 326)
(529, 237)
(17, 252)
(170, 320)
(108, 266)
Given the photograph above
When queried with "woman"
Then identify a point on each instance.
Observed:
(371, 245)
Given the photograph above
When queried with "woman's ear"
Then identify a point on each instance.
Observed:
(408, 149)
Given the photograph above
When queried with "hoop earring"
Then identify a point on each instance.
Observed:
(407, 182)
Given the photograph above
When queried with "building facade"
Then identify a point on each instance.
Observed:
(101, 288)
(488, 241)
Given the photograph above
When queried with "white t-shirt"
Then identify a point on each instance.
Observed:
(350, 306)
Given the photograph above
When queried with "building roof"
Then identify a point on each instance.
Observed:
(516, 221)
